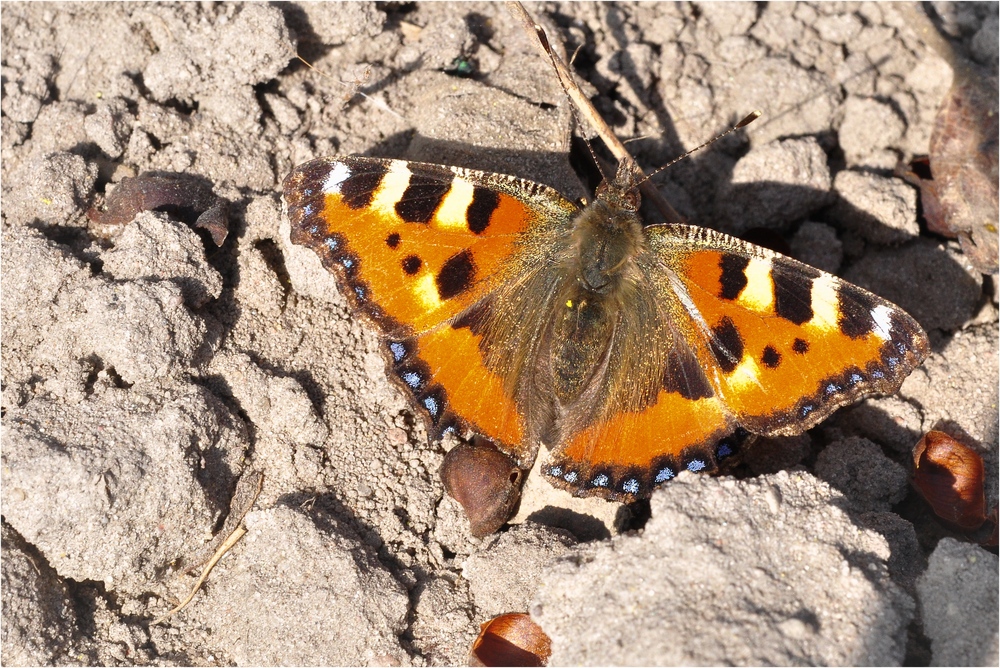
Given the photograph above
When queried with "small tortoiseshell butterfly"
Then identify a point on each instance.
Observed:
(632, 352)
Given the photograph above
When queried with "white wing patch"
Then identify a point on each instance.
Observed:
(451, 213)
(744, 375)
(824, 303)
(426, 291)
(758, 295)
(882, 316)
(336, 177)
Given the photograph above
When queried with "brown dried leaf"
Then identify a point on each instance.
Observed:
(963, 201)
(961, 198)
(189, 198)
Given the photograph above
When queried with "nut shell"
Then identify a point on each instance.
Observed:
(949, 475)
(485, 481)
(511, 640)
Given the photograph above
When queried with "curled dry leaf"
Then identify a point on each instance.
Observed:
(949, 475)
(189, 198)
(511, 640)
(961, 198)
(485, 481)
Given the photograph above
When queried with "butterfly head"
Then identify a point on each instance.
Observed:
(622, 192)
(608, 234)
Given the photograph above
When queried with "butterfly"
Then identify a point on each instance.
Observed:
(633, 352)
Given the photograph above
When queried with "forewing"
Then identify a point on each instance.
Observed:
(783, 344)
(414, 246)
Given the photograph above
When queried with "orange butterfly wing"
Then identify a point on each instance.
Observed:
(413, 247)
(626, 456)
(789, 344)
(763, 344)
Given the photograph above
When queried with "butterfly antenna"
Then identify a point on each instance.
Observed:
(544, 39)
(585, 109)
(750, 118)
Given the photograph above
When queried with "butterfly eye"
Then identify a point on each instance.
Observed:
(620, 195)
(632, 200)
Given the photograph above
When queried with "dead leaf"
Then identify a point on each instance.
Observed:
(960, 199)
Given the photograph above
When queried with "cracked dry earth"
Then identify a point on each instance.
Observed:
(147, 369)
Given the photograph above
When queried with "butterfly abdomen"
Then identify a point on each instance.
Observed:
(580, 334)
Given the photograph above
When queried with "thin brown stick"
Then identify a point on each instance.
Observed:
(586, 109)
(245, 495)
(247, 491)
(225, 547)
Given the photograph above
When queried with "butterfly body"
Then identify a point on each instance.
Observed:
(632, 351)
